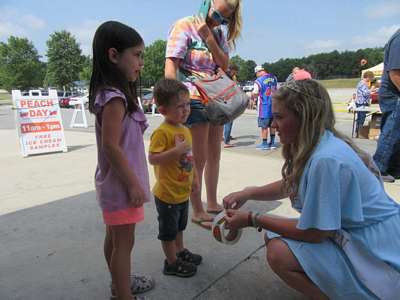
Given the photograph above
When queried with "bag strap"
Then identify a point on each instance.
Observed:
(380, 278)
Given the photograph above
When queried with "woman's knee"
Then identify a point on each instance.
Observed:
(276, 253)
(200, 144)
(214, 144)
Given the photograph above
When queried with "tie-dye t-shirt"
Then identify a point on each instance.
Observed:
(196, 60)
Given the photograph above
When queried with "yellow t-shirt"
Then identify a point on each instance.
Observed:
(173, 179)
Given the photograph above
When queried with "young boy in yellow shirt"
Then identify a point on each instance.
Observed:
(171, 155)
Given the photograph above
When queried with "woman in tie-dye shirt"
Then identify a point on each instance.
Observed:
(198, 46)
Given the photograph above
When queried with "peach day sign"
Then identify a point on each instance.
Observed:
(39, 123)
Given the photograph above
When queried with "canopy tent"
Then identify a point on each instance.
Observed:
(377, 70)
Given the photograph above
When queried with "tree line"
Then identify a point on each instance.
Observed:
(21, 67)
(330, 65)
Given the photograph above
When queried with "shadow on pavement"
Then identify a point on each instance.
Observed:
(246, 137)
(78, 147)
(54, 251)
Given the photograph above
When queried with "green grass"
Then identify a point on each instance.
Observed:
(340, 83)
(5, 98)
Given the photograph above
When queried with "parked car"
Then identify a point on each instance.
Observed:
(248, 86)
(77, 100)
(39, 92)
(64, 97)
(147, 101)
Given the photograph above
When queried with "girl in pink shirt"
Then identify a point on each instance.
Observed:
(121, 179)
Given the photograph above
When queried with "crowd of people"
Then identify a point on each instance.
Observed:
(335, 186)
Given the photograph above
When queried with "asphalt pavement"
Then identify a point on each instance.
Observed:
(51, 230)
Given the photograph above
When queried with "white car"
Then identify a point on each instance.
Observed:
(79, 100)
(248, 86)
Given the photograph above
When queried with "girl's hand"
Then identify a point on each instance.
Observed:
(236, 219)
(137, 196)
(235, 200)
(202, 28)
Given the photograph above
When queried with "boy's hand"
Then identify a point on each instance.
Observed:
(181, 146)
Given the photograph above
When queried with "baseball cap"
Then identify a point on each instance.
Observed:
(258, 69)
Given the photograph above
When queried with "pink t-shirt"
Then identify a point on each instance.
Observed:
(112, 193)
(301, 75)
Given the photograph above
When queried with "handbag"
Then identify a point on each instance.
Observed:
(223, 98)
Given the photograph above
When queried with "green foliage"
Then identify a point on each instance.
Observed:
(64, 60)
(328, 65)
(322, 66)
(87, 66)
(154, 63)
(246, 68)
(20, 67)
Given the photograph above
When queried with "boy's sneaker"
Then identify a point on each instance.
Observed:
(259, 146)
(180, 268)
(263, 146)
(273, 146)
(189, 257)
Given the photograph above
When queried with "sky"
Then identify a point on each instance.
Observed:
(271, 29)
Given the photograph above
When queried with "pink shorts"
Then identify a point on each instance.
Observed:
(131, 215)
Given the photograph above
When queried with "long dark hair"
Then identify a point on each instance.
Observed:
(105, 74)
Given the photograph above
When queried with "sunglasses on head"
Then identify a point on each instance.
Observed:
(218, 17)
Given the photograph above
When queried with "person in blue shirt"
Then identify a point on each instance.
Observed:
(264, 86)
(232, 73)
(363, 93)
(348, 230)
(387, 155)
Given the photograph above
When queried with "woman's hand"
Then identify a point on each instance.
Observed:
(202, 28)
(236, 219)
(237, 199)
(137, 196)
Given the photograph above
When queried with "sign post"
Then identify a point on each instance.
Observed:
(79, 107)
(39, 123)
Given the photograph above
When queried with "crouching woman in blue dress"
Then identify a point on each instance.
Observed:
(346, 242)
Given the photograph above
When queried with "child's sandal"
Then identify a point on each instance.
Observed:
(190, 257)
(180, 268)
(140, 284)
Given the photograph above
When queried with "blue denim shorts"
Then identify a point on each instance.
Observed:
(172, 219)
(198, 113)
(264, 122)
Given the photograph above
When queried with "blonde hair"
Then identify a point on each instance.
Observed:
(311, 104)
(235, 24)
(369, 74)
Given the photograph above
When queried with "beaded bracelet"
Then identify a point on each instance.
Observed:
(252, 220)
(255, 222)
